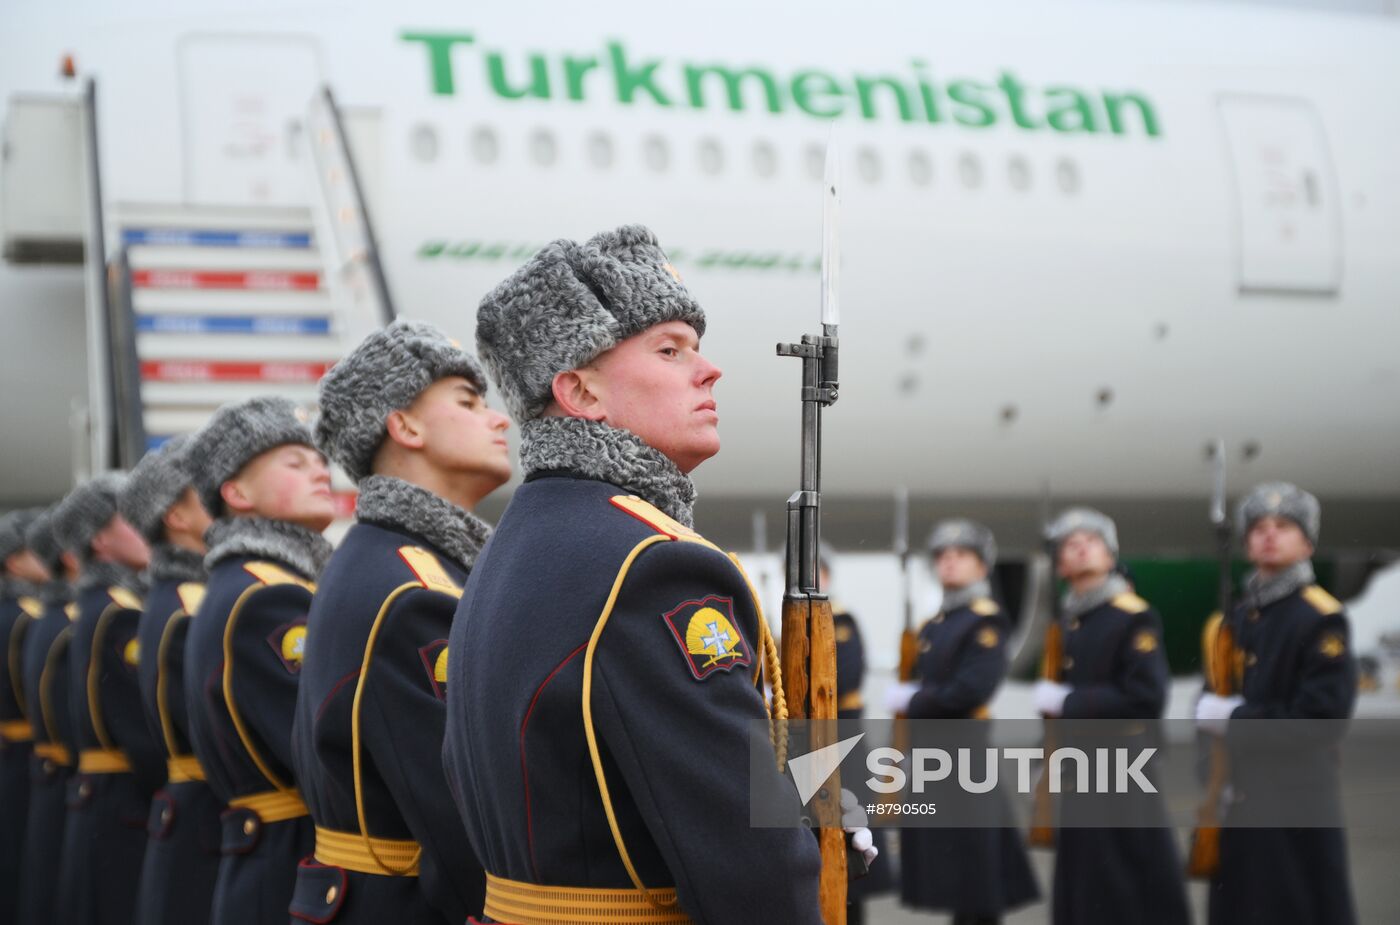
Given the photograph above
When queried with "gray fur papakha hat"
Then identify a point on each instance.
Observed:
(238, 432)
(964, 534)
(384, 374)
(571, 302)
(87, 509)
(155, 483)
(41, 541)
(1084, 518)
(1284, 500)
(12, 528)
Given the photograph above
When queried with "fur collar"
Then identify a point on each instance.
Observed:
(56, 592)
(610, 454)
(106, 574)
(16, 588)
(176, 563)
(393, 503)
(954, 598)
(259, 537)
(1075, 605)
(1261, 592)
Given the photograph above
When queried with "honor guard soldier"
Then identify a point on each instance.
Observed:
(601, 635)
(118, 766)
(850, 705)
(1113, 667)
(182, 855)
(258, 473)
(22, 577)
(1293, 661)
(44, 670)
(977, 874)
(405, 416)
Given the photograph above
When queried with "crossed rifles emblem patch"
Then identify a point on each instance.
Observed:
(708, 636)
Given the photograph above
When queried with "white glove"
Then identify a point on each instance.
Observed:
(1213, 712)
(898, 695)
(853, 821)
(1049, 697)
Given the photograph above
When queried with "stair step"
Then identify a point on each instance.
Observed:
(242, 238)
(277, 372)
(194, 324)
(201, 394)
(179, 217)
(236, 349)
(223, 302)
(224, 258)
(246, 280)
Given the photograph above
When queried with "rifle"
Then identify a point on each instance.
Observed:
(1217, 657)
(809, 636)
(1042, 830)
(908, 639)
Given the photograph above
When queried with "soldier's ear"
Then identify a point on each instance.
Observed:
(236, 496)
(404, 429)
(575, 395)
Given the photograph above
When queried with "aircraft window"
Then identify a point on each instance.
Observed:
(1018, 173)
(1067, 175)
(816, 161)
(600, 150)
(970, 170)
(656, 154)
(485, 146)
(544, 150)
(920, 168)
(765, 159)
(868, 163)
(424, 143)
(711, 156)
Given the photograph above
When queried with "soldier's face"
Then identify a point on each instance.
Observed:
(188, 518)
(289, 483)
(958, 567)
(119, 542)
(26, 566)
(657, 385)
(1082, 554)
(458, 433)
(1275, 543)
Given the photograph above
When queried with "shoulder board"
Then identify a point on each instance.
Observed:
(270, 574)
(426, 567)
(985, 607)
(32, 606)
(70, 611)
(191, 595)
(1129, 603)
(658, 521)
(1321, 601)
(124, 598)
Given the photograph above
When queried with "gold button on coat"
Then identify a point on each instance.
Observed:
(331, 894)
(250, 826)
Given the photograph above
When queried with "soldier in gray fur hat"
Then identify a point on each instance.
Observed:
(268, 487)
(1293, 641)
(596, 350)
(405, 414)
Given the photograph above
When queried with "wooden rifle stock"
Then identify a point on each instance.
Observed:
(1218, 656)
(1042, 831)
(809, 682)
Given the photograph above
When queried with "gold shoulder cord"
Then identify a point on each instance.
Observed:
(15, 659)
(232, 706)
(94, 677)
(167, 726)
(355, 732)
(777, 709)
(56, 651)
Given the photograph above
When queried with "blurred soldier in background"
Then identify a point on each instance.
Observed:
(258, 473)
(977, 874)
(1294, 661)
(405, 415)
(182, 856)
(1113, 667)
(119, 767)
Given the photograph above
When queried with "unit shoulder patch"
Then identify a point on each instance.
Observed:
(1331, 645)
(987, 637)
(708, 636)
(124, 598)
(429, 570)
(434, 657)
(1145, 642)
(32, 606)
(272, 574)
(660, 522)
(985, 607)
(289, 642)
(1321, 601)
(191, 595)
(1130, 603)
(131, 652)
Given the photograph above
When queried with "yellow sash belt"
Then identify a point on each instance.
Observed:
(530, 904)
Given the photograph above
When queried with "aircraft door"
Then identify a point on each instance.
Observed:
(1288, 216)
(243, 99)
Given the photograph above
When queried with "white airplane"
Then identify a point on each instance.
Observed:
(1081, 240)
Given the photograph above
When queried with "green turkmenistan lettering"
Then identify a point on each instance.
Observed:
(911, 95)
